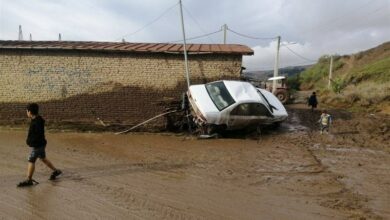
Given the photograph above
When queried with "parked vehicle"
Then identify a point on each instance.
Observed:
(281, 88)
(282, 91)
(230, 105)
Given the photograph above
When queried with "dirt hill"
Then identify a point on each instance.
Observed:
(360, 81)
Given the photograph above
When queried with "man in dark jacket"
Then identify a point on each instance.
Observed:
(37, 142)
(312, 101)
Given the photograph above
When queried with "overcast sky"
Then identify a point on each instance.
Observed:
(310, 28)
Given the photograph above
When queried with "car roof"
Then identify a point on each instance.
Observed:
(242, 91)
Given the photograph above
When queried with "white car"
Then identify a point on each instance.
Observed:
(231, 105)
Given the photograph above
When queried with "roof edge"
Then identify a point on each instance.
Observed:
(127, 47)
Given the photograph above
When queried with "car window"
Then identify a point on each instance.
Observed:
(219, 95)
(242, 109)
(260, 110)
(251, 109)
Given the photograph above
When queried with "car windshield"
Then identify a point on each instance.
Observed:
(271, 107)
(220, 95)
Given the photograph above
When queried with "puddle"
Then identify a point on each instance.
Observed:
(354, 150)
(317, 146)
(293, 124)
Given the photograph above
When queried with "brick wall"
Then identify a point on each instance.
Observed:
(123, 88)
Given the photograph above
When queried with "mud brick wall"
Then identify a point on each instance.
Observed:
(122, 88)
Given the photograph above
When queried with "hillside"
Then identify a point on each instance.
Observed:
(265, 74)
(361, 81)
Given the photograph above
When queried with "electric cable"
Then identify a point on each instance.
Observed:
(251, 37)
(332, 23)
(310, 60)
(196, 37)
(196, 22)
(148, 24)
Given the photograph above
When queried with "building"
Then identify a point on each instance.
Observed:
(124, 83)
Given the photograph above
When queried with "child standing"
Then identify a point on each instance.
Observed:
(37, 142)
(325, 121)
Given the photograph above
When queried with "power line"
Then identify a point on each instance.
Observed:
(299, 54)
(251, 37)
(365, 17)
(196, 22)
(300, 64)
(332, 23)
(345, 14)
(270, 68)
(196, 37)
(150, 23)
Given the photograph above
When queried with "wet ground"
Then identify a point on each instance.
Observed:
(289, 173)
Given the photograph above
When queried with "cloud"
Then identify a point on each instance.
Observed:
(324, 27)
(76, 20)
(264, 58)
(318, 27)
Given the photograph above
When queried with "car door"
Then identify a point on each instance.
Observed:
(246, 114)
(260, 114)
(239, 115)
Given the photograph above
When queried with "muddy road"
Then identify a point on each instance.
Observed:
(289, 173)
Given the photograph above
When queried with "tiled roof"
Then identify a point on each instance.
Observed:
(128, 47)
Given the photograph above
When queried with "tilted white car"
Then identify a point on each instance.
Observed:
(234, 105)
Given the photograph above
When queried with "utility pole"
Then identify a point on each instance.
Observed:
(20, 33)
(184, 45)
(276, 67)
(330, 71)
(224, 27)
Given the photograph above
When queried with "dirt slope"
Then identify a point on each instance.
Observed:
(360, 82)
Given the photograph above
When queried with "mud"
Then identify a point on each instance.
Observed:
(289, 173)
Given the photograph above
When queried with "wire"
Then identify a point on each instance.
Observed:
(196, 37)
(150, 23)
(305, 64)
(269, 68)
(299, 54)
(365, 17)
(1, 18)
(247, 36)
(338, 23)
(200, 27)
(336, 19)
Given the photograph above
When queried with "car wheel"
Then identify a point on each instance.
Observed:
(258, 130)
(211, 129)
(275, 125)
(282, 96)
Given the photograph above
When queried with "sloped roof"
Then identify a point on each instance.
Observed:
(128, 47)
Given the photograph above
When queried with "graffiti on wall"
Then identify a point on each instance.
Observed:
(60, 82)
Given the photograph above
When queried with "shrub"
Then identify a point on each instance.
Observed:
(293, 82)
(338, 85)
(320, 71)
(378, 71)
(337, 64)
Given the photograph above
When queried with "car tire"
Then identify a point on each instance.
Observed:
(259, 129)
(211, 129)
(282, 95)
(275, 125)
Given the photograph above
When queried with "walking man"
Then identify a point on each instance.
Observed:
(312, 101)
(37, 142)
